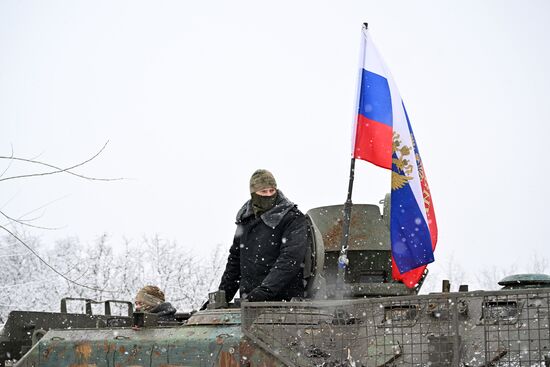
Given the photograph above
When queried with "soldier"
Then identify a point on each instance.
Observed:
(151, 299)
(266, 259)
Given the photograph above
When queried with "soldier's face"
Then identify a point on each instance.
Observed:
(270, 191)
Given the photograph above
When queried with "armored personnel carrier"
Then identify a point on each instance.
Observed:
(375, 321)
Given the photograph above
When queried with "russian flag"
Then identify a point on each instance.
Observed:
(384, 137)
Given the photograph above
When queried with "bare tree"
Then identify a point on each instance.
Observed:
(206, 277)
(130, 269)
(539, 264)
(29, 284)
(488, 278)
(36, 276)
(39, 169)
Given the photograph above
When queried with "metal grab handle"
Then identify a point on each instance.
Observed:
(37, 335)
(111, 301)
(89, 303)
(87, 300)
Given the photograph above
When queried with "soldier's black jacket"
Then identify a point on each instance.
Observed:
(165, 311)
(267, 254)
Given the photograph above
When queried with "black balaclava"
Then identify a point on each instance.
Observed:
(262, 179)
(261, 204)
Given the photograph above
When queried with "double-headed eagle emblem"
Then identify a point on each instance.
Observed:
(402, 168)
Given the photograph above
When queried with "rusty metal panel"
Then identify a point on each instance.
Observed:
(16, 338)
(183, 346)
(368, 230)
(194, 345)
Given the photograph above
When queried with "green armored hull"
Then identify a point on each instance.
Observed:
(501, 328)
(213, 338)
(379, 322)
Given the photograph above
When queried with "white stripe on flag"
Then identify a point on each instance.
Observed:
(373, 62)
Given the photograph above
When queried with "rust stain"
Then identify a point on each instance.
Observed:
(219, 340)
(227, 360)
(121, 349)
(333, 236)
(83, 351)
(245, 349)
(250, 352)
(132, 355)
(108, 347)
(46, 353)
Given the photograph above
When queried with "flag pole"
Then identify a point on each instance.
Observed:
(343, 258)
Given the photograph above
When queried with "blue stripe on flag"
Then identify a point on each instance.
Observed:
(375, 100)
(410, 236)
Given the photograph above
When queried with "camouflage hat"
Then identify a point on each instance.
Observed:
(262, 179)
(150, 296)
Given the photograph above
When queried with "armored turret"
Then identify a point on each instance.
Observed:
(369, 271)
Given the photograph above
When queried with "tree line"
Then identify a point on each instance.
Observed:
(105, 270)
(102, 271)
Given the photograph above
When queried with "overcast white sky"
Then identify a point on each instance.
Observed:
(194, 96)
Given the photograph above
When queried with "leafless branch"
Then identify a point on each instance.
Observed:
(39, 208)
(9, 165)
(49, 266)
(58, 169)
(22, 222)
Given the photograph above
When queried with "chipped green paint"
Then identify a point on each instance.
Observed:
(212, 338)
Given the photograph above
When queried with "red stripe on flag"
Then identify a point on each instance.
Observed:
(373, 142)
(430, 213)
(410, 278)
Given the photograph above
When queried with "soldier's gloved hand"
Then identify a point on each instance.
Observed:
(259, 294)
